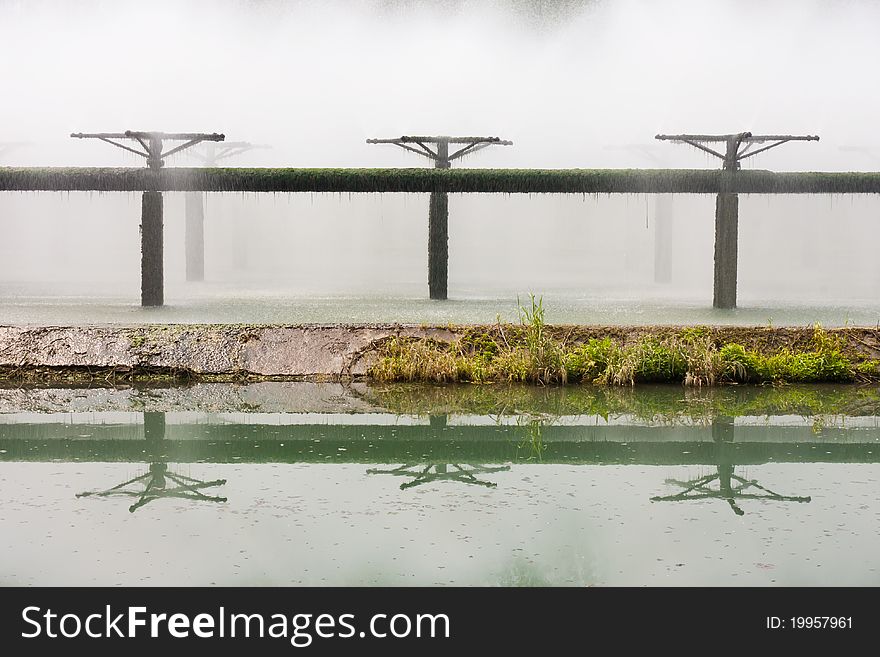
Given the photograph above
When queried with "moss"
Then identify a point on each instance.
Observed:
(97, 376)
(570, 181)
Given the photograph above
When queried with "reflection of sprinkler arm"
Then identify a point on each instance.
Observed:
(699, 489)
(463, 474)
(155, 487)
(155, 481)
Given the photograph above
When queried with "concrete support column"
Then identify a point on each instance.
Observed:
(726, 237)
(438, 232)
(152, 274)
(438, 245)
(194, 238)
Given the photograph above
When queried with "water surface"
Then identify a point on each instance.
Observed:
(277, 484)
(270, 303)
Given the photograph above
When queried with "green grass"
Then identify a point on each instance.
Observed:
(826, 362)
(694, 356)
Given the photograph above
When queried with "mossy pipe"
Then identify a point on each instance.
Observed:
(508, 181)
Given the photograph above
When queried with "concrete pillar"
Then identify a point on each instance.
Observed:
(726, 236)
(438, 232)
(438, 245)
(194, 239)
(662, 238)
(152, 275)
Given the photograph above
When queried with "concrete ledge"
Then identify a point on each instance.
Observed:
(219, 352)
(236, 352)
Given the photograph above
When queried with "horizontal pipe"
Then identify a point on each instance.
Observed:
(508, 181)
(435, 139)
(134, 134)
(745, 136)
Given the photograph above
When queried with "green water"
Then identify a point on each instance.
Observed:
(287, 483)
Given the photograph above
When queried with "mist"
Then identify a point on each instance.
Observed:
(577, 84)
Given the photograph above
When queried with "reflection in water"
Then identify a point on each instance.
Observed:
(573, 504)
(422, 473)
(701, 487)
(534, 442)
(155, 482)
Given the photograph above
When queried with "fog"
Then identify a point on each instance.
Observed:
(579, 84)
